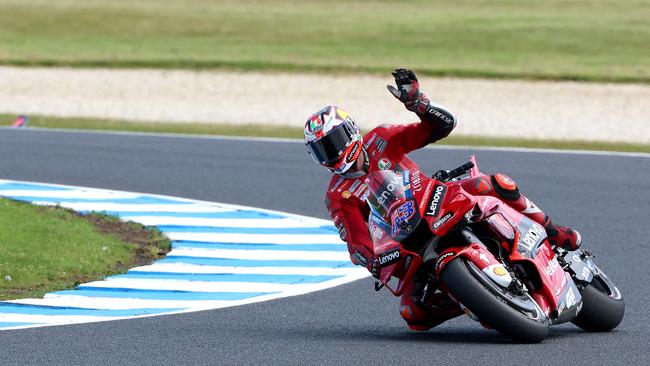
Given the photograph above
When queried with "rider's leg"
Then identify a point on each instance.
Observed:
(505, 188)
(425, 312)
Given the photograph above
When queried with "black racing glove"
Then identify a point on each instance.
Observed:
(408, 91)
(374, 267)
(372, 263)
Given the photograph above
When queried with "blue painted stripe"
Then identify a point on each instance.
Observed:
(241, 246)
(137, 200)
(15, 324)
(323, 230)
(11, 308)
(228, 277)
(237, 214)
(89, 291)
(31, 187)
(255, 263)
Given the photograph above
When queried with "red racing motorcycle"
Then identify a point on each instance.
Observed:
(496, 263)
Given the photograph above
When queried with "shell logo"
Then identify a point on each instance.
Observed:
(500, 271)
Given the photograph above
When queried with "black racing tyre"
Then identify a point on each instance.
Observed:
(601, 310)
(491, 305)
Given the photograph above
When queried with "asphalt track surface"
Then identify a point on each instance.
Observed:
(606, 197)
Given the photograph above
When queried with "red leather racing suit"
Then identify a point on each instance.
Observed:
(386, 146)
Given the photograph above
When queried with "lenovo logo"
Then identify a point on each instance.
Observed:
(389, 257)
(436, 200)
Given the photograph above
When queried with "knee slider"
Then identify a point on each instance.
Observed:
(406, 313)
(505, 187)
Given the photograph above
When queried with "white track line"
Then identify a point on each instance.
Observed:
(109, 303)
(89, 194)
(301, 141)
(257, 282)
(201, 269)
(193, 286)
(51, 319)
(264, 255)
(241, 223)
(287, 239)
(135, 207)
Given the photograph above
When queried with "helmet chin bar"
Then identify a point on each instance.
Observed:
(361, 172)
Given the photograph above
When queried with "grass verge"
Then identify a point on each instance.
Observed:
(45, 249)
(592, 40)
(258, 130)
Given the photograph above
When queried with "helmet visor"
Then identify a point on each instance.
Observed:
(328, 149)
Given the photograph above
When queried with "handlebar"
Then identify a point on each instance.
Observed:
(445, 176)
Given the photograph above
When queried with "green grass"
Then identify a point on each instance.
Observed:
(44, 249)
(603, 40)
(257, 130)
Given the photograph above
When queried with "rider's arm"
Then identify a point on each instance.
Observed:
(353, 229)
(436, 122)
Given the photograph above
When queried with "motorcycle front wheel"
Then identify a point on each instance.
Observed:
(515, 316)
(602, 306)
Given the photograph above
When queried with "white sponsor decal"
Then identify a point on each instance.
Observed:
(552, 266)
(443, 220)
(387, 258)
(434, 204)
(533, 236)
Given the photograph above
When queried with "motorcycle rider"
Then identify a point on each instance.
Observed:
(334, 141)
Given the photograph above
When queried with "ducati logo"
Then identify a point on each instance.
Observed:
(383, 164)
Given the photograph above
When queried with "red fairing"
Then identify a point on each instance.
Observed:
(553, 278)
(475, 253)
(387, 146)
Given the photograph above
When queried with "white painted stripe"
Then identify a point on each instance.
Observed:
(255, 238)
(273, 290)
(530, 150)
(191, 203)
(343, 255)
(247, 223)
(301, 141)
(194, 286)
(201, 269)
(51, 319)
(109, 303)
(359, 274)
(128, 207)
(75, 194)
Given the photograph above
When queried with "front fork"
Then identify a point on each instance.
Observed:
(569, 301)
(582, 268)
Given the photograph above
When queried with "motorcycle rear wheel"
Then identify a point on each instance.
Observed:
(603, 307)
(494, 305)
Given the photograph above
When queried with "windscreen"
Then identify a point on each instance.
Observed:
(389, 201)
(386, 191)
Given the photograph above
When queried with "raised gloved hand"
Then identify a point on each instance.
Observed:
(408, 91)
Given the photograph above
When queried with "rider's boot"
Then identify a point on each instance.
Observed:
(562, 236)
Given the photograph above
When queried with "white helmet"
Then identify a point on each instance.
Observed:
(333, 139)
